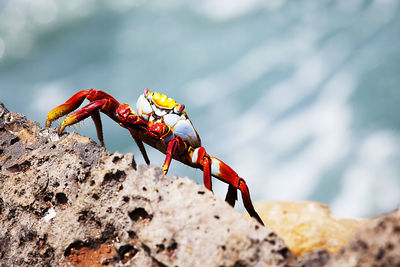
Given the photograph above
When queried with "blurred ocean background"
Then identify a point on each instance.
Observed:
(301, 98)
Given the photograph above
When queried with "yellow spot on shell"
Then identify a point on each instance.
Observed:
(163, 101)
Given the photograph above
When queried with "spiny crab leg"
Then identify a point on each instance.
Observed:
(91, 109)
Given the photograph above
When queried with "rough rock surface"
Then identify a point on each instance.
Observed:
(67, 201)
(375, 244)
(307, 226)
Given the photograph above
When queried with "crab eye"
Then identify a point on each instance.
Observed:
(178, 109)
(146, 92)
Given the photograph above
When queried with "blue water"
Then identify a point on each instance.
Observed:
(299, 97)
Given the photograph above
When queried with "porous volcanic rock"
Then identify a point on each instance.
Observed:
(67, 201)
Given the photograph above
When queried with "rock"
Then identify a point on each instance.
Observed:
(377, 243)
(66, 200)
(307, 226)
(315, 258)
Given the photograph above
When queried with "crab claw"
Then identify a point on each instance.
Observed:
(99, 101)
(70, 105)
(91, 109)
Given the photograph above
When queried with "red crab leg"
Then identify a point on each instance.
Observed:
(207, 173)
(91, 109)
(71, 104)
(132, 123)
(99, 101)
(222, 171)
(225, 173)
(76, 100)
(175, 147)
(204, 159)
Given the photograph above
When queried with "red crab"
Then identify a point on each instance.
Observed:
(161, 123)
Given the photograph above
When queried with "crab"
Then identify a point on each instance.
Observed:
(162, 123)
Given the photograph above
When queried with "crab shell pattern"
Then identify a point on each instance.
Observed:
(155, 107)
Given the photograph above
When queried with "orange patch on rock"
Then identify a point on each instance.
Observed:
(86, 257)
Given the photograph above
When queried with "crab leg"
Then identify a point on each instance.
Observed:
(99, 101)
(70, 105)
(91, 109)
(222, 171)
(175, 147)
(99, 128)
(141, 147)
(200, 156)
(213, 167)
(76, 100)
(231, 195)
